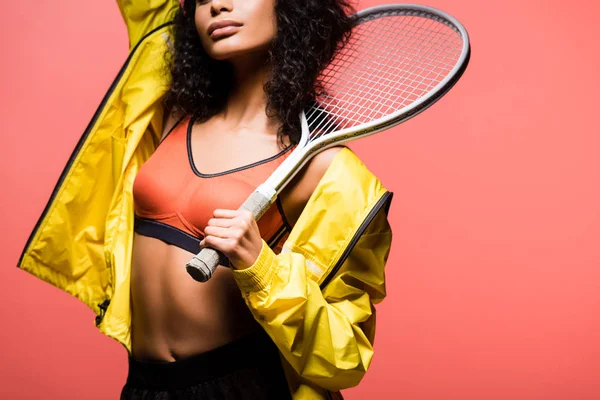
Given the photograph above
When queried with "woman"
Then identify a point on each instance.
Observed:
(292, 316)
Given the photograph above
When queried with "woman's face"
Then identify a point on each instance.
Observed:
(253, 26)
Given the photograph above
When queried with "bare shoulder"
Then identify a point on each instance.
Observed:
(295, 196)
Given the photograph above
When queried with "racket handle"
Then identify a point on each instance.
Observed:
(202, 266)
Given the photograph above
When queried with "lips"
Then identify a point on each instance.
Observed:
(222, 24)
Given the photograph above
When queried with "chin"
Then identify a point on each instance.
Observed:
(223, 45)
(223, 56)
(231, 47)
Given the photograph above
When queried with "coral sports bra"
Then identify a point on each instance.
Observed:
(173, 201)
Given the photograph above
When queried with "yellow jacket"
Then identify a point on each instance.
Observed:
(315, 298)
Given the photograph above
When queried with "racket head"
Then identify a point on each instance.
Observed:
(400, 59)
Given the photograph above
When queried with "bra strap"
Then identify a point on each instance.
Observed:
(173, 128)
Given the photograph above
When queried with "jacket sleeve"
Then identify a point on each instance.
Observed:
(325, 334)
(142, 16)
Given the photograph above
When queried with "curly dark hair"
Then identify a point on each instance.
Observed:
(309, 32)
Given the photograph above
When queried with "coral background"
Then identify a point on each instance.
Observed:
(494, 275)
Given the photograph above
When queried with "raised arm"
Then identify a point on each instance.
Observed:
(142, 16)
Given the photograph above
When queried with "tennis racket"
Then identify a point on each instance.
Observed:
(399, 60)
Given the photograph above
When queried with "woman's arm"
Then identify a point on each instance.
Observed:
(325, 334)
(142, 16)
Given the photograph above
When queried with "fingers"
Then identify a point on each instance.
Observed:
(231, 218)
(232, 225)
(222, 213)
(224, 245)
(221, 222)
(223, 232)
(234, 233)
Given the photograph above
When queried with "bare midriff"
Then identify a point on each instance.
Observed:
(174, 316)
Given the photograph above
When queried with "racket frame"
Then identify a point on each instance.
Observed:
(304, 152)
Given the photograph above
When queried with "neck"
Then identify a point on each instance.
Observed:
(247, 101)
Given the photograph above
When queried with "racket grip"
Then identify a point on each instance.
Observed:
(202, 266)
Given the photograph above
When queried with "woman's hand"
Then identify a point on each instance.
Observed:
(235, 234)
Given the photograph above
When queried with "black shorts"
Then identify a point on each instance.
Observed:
(246, 369)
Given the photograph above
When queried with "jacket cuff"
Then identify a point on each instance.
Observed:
(258, 275)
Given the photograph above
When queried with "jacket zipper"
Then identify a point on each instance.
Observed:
(103, 307)
(361, 229)
(84, 137)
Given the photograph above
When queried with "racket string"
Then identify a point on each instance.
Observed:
(414, 54)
